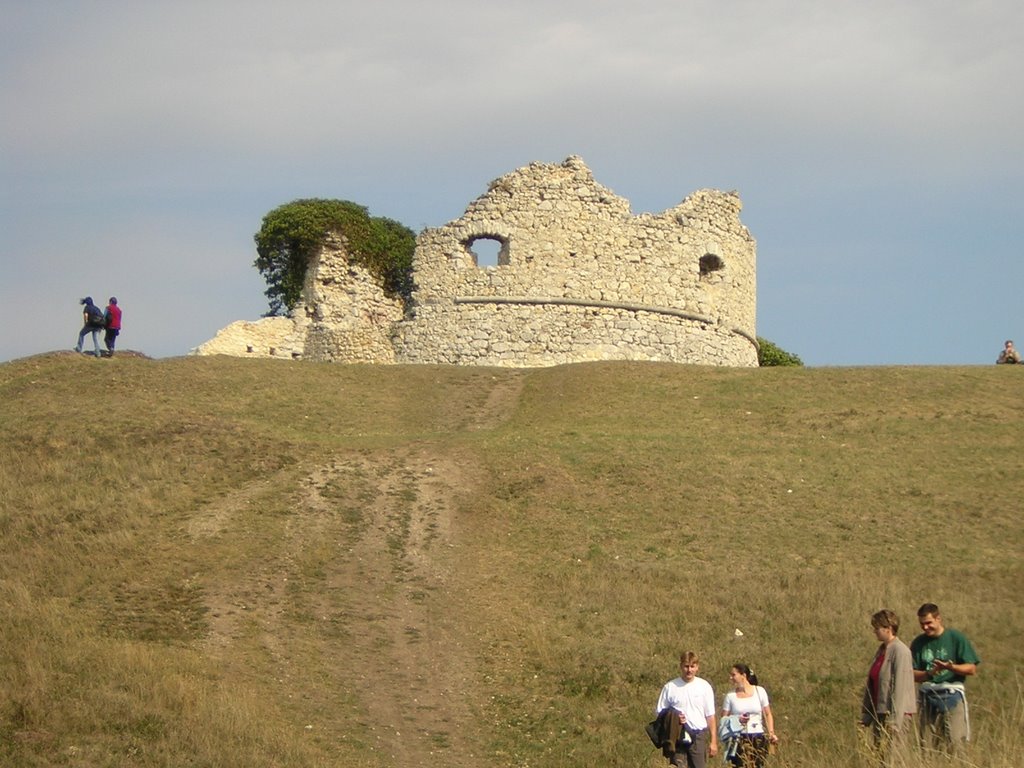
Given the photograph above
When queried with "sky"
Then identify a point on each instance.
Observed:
(877, 146)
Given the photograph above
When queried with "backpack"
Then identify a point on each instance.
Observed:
(95, 315)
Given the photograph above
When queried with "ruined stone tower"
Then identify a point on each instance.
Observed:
(578, 278)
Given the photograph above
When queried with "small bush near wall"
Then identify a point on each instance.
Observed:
(771, 354)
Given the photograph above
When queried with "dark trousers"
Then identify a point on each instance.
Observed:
(752, 752)
(694, 754)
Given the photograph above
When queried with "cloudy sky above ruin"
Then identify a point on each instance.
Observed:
(878, 148)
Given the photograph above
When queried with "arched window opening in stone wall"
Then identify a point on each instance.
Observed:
(709, 263)
(488, 250)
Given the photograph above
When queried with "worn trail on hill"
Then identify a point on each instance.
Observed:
(370, 558)
(416, 646)
(405, 654)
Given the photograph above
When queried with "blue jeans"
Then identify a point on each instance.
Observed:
(95, 338)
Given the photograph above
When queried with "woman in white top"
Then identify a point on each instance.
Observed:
(747, 710)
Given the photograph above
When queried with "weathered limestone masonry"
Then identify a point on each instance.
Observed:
(344, 316)
(269, 337)
(578, 278)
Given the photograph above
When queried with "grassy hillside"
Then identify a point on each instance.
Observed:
(217, 562)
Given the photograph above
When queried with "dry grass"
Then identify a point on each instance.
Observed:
(212, 562)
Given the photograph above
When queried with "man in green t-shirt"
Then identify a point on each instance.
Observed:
(943, 659)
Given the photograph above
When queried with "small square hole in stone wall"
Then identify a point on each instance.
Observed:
(709, 263)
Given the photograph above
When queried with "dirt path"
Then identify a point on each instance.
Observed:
(365, 582)
(411, 665)
(416, 645)
(500, 402)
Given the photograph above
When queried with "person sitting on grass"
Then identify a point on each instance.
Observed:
(1009, 354)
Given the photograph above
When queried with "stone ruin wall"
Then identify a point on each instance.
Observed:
(267, 337)
(578, 278)
(344, 316)
(345, 313)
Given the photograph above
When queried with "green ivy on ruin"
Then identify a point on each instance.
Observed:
(293, 233)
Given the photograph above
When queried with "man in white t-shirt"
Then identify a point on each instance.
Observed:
(693, 701)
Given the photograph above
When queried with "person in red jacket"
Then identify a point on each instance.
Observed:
(113, 324)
